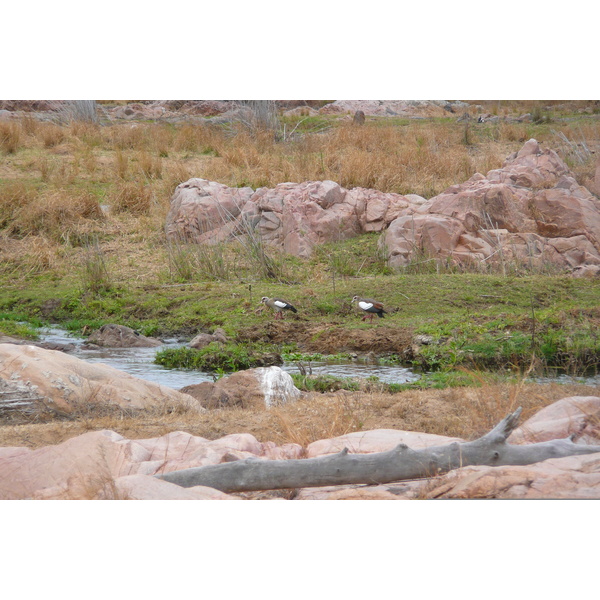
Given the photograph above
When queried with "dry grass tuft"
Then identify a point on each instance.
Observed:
(10, 137)
(150, 166)
(130, 197)
(342, 418)
(56, 214)
(30, 255)
(51, 135)
(454, 412)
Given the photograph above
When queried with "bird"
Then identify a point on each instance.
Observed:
(371, 307)
(278, 305)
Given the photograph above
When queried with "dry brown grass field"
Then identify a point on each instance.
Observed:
(57, 179)
(67, 189)
(456, 412)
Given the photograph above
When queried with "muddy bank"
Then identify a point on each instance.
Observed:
(331, 338)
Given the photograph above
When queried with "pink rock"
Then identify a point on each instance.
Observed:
(61, 381)
(104, 464)
(378, 492)
(202, 340)
(294, 217)
(376, 440)
(98, 453)
(418, 234)
(576, 477)
(530, 147)
(9, 452)
(199, 206)
(545, 218)
(560, 213)
(574, 415)
(144, 487)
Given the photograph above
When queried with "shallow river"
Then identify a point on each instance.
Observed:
(140, 362)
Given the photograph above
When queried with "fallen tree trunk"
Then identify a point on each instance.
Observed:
(383, 467)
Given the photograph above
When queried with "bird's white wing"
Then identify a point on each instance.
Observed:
(280, 304)
(365, 305)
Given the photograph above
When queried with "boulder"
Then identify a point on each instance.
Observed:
(199, 207)
(531, 212)
(48, 380)
(577, 415)
(120, 336)
(359, 118)
(258, 388)
(204, 339)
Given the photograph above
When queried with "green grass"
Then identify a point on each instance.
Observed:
(480, 320)
(18, 330)
(218, 357)
(324, 383)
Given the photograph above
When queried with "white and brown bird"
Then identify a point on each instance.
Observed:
(278, 305)
(370, 307)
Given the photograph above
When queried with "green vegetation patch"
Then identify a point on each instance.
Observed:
(556, 338)
(18, 329)
(219, 357)
(324, 383)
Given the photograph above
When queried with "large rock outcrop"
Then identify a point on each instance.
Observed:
(49, 380)
(531, 212)
(294, 217)
(395, 108)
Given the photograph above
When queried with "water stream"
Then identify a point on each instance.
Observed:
(140, 362)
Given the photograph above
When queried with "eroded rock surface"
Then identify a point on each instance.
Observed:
(531, 212)
(56, 381)
(105, 465)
